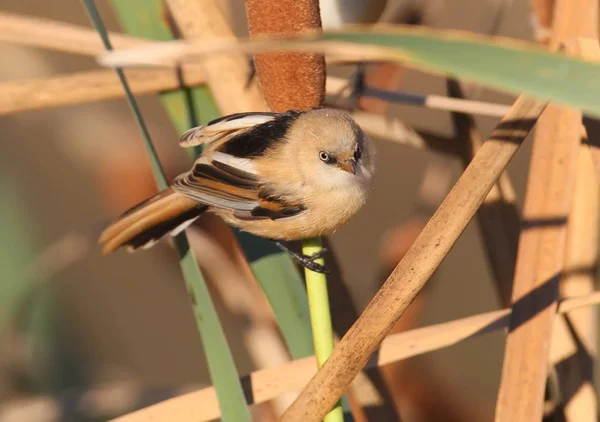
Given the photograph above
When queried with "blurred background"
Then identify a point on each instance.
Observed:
(124, 320)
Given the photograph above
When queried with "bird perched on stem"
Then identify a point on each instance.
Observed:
(282, 176)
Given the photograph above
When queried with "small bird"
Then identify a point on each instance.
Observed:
(283, 176)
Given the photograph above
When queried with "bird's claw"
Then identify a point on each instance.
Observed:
(308, 261)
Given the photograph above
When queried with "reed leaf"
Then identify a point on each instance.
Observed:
(510, 65)
(220, 361)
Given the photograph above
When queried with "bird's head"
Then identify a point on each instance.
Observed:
(332, 149)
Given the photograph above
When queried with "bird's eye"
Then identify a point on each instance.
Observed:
(357, 154)
(324, 157)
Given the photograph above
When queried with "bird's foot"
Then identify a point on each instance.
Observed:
(307, 261)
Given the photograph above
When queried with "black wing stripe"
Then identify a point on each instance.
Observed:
(223, 175)
(158, 231)
(215, 193)
(260, 213)
(268, 194)
(214, 190)
(233, 170)
(258, 140)
(276, 215)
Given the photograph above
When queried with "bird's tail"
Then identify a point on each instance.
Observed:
(143, 225)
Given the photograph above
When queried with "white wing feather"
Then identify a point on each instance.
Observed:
(227, 126)
(239, 163)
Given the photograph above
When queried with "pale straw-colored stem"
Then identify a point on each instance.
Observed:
(540, 263)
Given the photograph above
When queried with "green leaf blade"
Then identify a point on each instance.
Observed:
(508, 65)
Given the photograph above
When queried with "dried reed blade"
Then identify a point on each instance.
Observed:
(265, 384)
(59, 36)
(89, 86)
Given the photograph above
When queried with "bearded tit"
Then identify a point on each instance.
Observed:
(283, 176)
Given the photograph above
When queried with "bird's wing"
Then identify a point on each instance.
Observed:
(232, 183)
(227, 126)
(220, 184)
(271, 206)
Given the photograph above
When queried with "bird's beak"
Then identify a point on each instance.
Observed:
(349, 166)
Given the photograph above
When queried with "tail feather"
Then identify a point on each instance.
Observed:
(136, 213)
(146, 223)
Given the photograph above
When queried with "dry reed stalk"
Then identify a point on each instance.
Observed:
(498, 215)
(88, 86)
(411, 274)
(226, 74)
(540, 263)
(59, 36)
(76, 39)
(265, 384)
(574, 339)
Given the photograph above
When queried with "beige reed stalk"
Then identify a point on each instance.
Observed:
(574, 340)
(59, 36)
(540, 262)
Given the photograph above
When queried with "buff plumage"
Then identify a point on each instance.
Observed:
(282, 176)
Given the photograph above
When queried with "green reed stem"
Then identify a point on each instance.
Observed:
(220, 361)
(320, 316)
